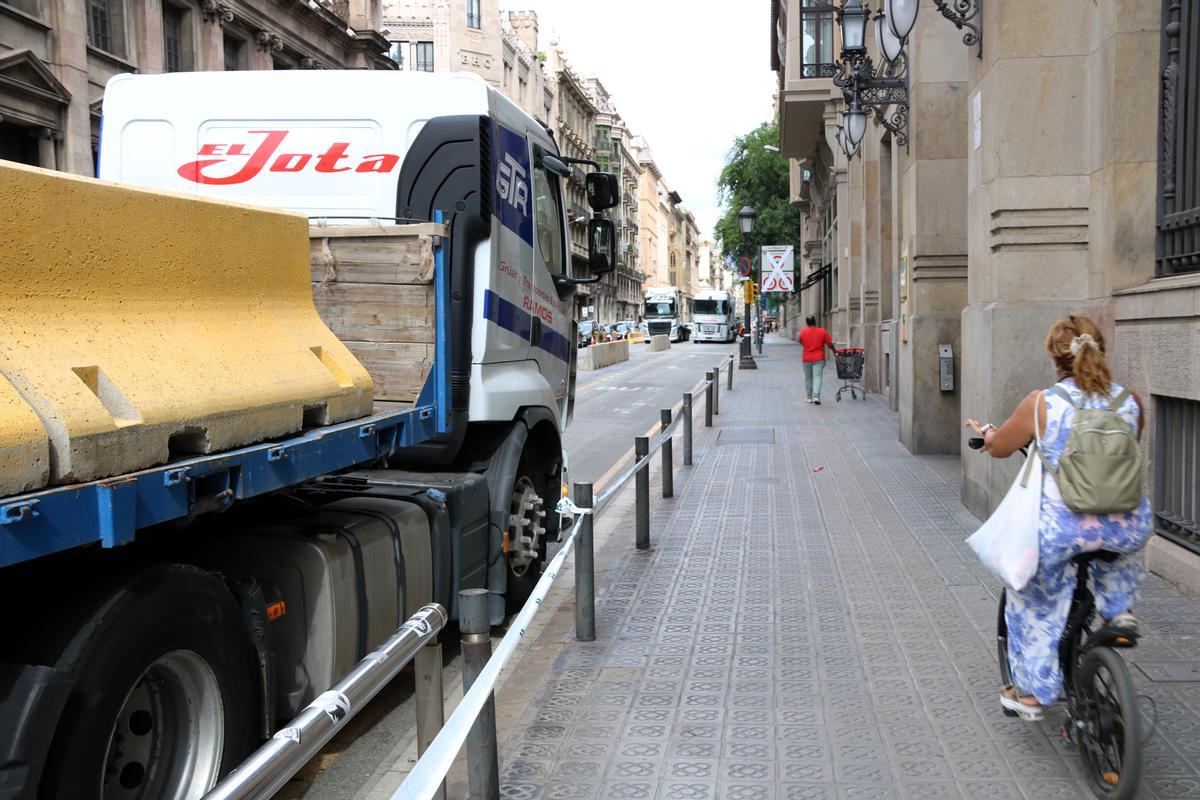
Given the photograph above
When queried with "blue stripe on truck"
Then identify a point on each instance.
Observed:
(517, 320)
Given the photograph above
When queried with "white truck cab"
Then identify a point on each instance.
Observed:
(714, 318)
(347, 147)
(351, 146)
(664, 313)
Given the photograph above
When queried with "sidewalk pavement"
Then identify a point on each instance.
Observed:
(808, 624)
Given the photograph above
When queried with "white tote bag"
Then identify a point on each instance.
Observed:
(1007, 543)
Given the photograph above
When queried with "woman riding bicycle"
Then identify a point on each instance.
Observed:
(1037, 615)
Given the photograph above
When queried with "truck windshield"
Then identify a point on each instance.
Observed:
(660, 309)
(711, 307)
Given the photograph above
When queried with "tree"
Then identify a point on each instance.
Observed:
(757, 177)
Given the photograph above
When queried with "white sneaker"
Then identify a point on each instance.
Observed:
(809, 401)
(1126, 621)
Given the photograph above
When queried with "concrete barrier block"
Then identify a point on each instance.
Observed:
(599, 356)
(660, 342)
(142, 326)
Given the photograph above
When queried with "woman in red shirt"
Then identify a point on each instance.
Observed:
(815, 340)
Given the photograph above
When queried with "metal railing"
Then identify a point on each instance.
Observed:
(271, 766)
(474, 722)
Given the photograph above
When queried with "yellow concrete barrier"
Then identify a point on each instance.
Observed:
(143, 326)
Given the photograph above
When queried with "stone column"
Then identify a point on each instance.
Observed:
(932, 241)
(1061, 193)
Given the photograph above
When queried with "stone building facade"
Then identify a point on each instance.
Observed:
(1055, 172)
(620, 292)
(471, 36)
(57, 55)
(573, 122)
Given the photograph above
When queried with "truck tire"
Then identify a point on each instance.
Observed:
(527, 516)
(165, 694)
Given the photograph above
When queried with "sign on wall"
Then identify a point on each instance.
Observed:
(777, 269)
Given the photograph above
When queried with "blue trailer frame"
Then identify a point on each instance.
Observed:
(111, 511)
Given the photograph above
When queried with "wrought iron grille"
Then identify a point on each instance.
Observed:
(1179, 140)
(1177, 470)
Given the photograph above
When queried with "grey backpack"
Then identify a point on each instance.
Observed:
(1100, 471)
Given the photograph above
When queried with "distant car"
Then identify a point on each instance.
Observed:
(644, 327)
(587, 329)
(622, 330)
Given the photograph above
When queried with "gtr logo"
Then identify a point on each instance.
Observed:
(511, 184)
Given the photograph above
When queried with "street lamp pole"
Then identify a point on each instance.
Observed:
(746, 219)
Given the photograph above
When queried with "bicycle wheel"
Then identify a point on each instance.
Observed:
(1110, 741)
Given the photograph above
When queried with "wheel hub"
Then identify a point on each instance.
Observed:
(525, 528)
(168, 737)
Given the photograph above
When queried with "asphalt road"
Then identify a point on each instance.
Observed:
(612, 406)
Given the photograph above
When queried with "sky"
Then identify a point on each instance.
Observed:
(689, 75)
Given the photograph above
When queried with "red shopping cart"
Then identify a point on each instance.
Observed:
(849, 362)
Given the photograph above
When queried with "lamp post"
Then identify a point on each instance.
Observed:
(881, 90)
(746, 219)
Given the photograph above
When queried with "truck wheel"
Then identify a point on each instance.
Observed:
(165, 697)
(526, 534)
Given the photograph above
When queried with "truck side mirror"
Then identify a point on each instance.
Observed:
(603, 191)
(602, 246)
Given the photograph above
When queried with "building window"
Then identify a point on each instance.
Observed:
(473, 14)
(176, 45)
(423, 56)
(106, 25)
(1178, 157)
(1177, 470)
(235, 50)
(816, 39)
(28, 6)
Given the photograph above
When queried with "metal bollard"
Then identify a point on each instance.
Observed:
(483, 763)
(716, 379)
(708, 400)
(729, 383)
(687, 429)
(431, 708)
(585, 570)
(641, 450)
(668, 457)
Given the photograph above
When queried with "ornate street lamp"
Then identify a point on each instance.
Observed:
(746, 217)
(968, 14)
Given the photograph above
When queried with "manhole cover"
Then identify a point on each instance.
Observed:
(1171, 671)
(746, 436)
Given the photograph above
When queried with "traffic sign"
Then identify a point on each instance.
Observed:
(745, 265)
(777, 269)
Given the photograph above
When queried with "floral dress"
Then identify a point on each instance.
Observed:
(1038, 613)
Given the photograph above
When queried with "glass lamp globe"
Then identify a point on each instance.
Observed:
(890, 45)
(856, 123)
(901, 16)
(853, 18)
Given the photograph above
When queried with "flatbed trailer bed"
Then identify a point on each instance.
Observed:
(110, 511)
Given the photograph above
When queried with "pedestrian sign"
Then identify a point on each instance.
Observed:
(777, 269)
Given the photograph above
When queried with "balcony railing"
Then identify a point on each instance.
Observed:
(818, 70)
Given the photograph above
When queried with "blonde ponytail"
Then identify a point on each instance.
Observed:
(1077, 347)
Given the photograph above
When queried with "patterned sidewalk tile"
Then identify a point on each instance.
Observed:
(810, 625)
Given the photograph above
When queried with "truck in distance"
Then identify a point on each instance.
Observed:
(664, 313)
(714, 316)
